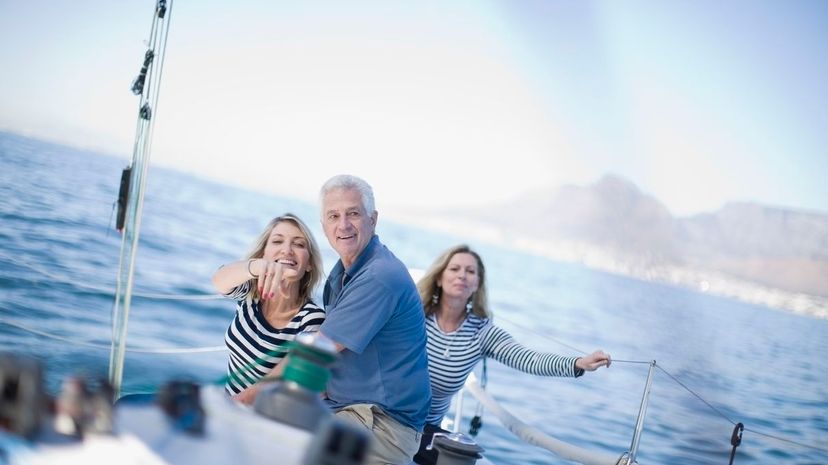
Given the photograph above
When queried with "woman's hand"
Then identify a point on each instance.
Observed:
(248, 396)
(271, 279)
(593, 361)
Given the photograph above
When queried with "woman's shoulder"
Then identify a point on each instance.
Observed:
(477, 322)
(311, 307)
(309, 315)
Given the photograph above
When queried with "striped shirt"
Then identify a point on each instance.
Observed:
(256, 346)
(452, 356)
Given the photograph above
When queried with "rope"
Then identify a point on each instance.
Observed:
(144, 350)
(534, 436)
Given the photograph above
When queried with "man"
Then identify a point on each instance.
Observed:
(375, 317)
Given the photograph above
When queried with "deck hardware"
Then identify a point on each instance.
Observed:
(735, 440)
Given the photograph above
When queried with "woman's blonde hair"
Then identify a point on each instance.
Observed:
(308, 282)
(427, 285)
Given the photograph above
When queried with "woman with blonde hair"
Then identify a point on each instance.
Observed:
(272, 288)
(460, 333)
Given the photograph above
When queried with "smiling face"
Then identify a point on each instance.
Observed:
(288, 246)
(461, 276)
(347, 225)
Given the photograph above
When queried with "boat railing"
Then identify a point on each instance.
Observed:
(532, 435)
(536, 437)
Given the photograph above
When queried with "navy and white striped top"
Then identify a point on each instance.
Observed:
(256, 346)
(452, 356)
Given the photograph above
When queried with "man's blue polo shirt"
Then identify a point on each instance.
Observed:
(378, 316)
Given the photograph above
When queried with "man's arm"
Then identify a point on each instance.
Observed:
(339, 347)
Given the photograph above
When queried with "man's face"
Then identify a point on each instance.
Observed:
(347, 225)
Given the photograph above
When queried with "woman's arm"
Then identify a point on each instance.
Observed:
(231, 275)
(501, 346)
(248, 395)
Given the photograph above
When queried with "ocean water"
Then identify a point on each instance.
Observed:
(721, 361)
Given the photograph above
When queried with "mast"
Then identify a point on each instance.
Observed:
(133, 183)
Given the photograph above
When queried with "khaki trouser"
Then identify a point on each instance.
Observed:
(394, 443)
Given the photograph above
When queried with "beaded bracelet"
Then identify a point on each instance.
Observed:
(248, 269)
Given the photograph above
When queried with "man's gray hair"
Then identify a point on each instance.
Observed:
(347, 181)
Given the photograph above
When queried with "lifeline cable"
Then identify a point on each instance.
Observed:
(110, 291)
(717, 411)
(94, 345)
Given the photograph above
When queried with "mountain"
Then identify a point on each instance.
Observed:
(780, 248)
(762, 254)
(611, 213)
(772, 246)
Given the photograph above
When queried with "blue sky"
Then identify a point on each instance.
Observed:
(443, 104)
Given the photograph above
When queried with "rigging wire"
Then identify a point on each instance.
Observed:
(106, 290)
(697, 396)
(144, 350)
(137, 174)
(733, 422)
(546, 336)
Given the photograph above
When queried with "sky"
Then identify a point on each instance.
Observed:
(443, 104)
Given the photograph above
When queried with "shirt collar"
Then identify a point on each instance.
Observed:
(362, 259)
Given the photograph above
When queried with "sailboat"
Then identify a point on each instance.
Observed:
(229, 426)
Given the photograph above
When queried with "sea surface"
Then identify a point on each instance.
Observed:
(719, 361)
